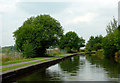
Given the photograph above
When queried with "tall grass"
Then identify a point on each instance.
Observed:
(6, 58)
(8, 54)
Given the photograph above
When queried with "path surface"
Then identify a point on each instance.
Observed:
(4, 66)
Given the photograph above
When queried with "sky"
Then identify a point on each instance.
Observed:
(119, 13)
(85, 17)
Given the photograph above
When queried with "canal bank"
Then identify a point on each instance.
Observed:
(77, 68)
(10, 74)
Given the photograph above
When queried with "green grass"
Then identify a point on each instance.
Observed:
(6, 60)
(22, 60)
(26, 64)
(30, 59)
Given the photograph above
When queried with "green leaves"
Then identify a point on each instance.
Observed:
(111, 43)
(71, 41)
(28, 50)
(111, 26)
(41, 32)
(94, 43)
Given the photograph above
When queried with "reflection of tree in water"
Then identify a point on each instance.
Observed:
(70, 65)
(110, 66)
(44, 75)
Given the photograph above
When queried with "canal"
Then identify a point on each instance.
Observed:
(77, 68)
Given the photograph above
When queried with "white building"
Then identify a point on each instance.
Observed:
(119, 13)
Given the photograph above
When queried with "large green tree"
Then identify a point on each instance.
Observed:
(37, 34)
(71, 41)
(111, 42)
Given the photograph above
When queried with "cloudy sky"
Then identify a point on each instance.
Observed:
(85, 17)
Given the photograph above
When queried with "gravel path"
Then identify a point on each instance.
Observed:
(4, 66)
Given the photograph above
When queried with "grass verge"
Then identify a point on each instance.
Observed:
(26, 64)
(23, 60)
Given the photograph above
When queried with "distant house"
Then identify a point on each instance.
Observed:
(119, 13)
(55, 50)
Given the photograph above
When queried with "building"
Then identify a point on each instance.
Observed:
(119, 13)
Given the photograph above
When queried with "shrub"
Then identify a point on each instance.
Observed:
(28, 50)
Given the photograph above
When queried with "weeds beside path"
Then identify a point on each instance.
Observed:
(4, 66)
(26, 62)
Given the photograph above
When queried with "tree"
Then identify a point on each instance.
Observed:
(112, 26)
(108, 46)
(71, 41)
(81, 43)
(28, 50)
(117, 38)
(39, 32)
(90, 43)
(111, 42)
(94, 43)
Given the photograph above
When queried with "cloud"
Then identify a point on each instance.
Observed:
(97, 3)
(87, 18)
(89, 1)
(0, 30)
(6, 6)
(42, 7)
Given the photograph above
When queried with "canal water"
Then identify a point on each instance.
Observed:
(78, 68)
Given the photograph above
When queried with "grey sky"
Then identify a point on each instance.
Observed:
(85, 17)
(119, 13)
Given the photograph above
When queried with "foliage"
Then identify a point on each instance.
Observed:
(30, 63)
(111, 43)
(94, 43)
(71, 41)
(28, 50)
(117, 56)
(39, 32)
(111, 26)
(6, 58)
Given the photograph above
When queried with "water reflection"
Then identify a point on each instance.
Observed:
(70, 65)
(45, 75)
(78, 68)
(111, 67)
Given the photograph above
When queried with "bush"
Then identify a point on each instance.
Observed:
(109, 46)
(111, 43)
(28, 50)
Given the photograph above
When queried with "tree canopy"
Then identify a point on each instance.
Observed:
(111, 42)
(71, 41)
(94, 43)
(37, 34)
